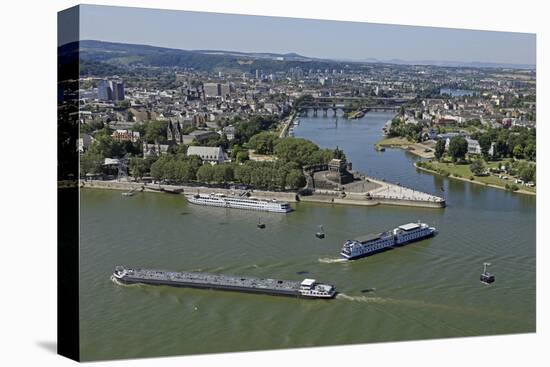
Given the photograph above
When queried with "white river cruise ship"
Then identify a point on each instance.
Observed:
(239, 202)
(368, 245)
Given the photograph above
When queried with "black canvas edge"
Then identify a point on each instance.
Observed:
(68, 211)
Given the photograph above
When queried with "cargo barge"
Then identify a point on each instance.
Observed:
(308, 288)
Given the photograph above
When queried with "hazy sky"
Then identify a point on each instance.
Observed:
(314, 38)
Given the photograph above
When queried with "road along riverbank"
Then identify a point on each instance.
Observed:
(183, 189)
(286, 125)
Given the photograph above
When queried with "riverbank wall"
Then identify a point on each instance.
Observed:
(373, 201)
(182, 189)
(335, 197)
(415, 203)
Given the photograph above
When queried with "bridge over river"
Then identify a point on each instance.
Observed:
(335, 103)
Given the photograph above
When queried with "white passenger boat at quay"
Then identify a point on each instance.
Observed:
(240, 202)
(371, 244)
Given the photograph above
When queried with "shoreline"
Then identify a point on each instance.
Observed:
(520, 191)
(286, 125)
(291, 197)
(180, 189)
(357, 114)
(417, 148)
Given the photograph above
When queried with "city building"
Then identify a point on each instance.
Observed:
(213, 155)
(104, 90)
(154, 150)
(212, 90)
(174, 132)
(110, 90)
(216, 90)
(229, 132)
(125, 135)
(118, 90)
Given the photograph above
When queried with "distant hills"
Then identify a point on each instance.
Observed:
(123, 54)
(473, 64)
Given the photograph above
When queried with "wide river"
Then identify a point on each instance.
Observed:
(428, 289)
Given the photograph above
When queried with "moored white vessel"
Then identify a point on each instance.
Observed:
(240, 202)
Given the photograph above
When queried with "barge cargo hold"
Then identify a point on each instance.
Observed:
(308, 288)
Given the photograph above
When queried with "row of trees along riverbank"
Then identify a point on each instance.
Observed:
(284, 173)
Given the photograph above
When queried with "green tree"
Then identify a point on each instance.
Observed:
(242, 156)
(339, 154)
(458, 147)
(530, 152)
(217, 141)
(106, 146)
(478, 167)
(194, 162)
(295, 179)
(439, 149)
(205, 173)
(138, 167)
(296, 150)
(158, 168)
(527, 172)
(155, 132)
(243, 173)
(501, 147)
(517, 152)
(222, 173)
(91, 126)
(91, 162)
(263, 142)
(246, 129)
(170, 169)
(320, 156)
(182, 172)
(485, 144)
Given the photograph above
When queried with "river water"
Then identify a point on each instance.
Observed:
(429, 289)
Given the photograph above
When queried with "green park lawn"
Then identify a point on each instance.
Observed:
(462, 170)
